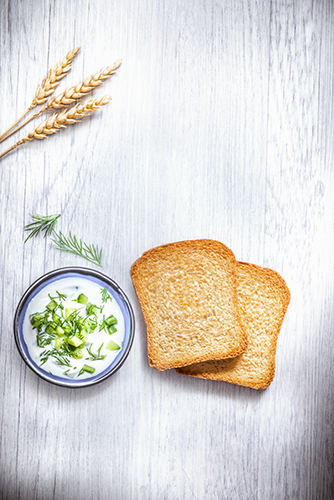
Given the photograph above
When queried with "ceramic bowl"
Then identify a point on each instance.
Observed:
(117, 295)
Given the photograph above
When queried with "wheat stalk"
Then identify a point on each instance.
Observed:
(78, 112)
(59, 120)
(72, 94)
(51, 81)
(46, 88)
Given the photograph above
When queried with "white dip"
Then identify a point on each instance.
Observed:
(72, 288)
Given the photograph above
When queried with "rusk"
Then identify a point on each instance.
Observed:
(263, 300)
(187, 292)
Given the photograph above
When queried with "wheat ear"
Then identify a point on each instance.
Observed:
(46, 88)
(72, 94)
(51, 81)
(58, 121)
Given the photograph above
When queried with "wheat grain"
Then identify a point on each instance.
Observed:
(58, 121)
(46, 88)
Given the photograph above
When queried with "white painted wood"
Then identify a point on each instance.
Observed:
(221, 126)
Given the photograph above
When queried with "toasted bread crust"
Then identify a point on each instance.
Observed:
(263, 300)
(187, 293)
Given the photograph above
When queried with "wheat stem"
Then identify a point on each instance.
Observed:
(5, 135)
(47, 87)
(11, 132)
(58, 121)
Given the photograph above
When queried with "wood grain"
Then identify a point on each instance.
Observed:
(221, 126)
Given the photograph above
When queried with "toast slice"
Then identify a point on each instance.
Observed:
(263, 300)
(187, 292)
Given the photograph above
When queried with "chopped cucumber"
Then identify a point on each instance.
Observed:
(60, 331)
(56, 319)
(75, 341)
(77, 354)
(64, 331)
(91, 309)
(87, 368)
(82, 299)
(112, 346)
(69, 311)
(112, 329)
(51, 327)
(52, 305)
(37, 319)
(58, 343)
(111, 321)
(82, 336)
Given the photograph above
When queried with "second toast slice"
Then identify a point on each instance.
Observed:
(263, 301)
(187, 292)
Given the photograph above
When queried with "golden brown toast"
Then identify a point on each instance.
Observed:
(263, 300)
(187, 292)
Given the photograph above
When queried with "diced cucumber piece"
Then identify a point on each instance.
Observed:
(69, 311)
(37, 319)
(83, 336)
(58, 343)
(77, 354)
(112, 346)
(91, 309)
(89, 369)
(51, 328)
(60, 331)
(75, 341)
(52, 305)
(82, 299)
(56, 318)
(111, 320)
(91, 325)
(112, 329)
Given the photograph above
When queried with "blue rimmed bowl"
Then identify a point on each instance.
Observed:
(116, 293)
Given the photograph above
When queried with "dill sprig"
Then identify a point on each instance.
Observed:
(42, 223)
(60, 297)
(105, 295)
(95, 356)
(70, 244)
(44, 338)
(61, 357)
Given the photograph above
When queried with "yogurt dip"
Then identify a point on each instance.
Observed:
(97, 334)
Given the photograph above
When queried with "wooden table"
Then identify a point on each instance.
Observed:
(220, 126)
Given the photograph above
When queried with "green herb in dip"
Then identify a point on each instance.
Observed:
(73, 328)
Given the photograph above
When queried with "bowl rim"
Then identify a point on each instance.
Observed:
(85, 272)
